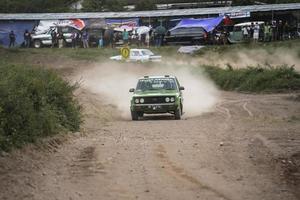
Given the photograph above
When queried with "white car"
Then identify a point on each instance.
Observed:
(45, 39)
(139, 55)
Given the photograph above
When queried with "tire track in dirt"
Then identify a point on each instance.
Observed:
(179, 172)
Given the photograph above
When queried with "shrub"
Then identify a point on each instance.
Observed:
(34, 103)
(255, 79)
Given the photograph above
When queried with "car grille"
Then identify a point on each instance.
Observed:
(155, 100)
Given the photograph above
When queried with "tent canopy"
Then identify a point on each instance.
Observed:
(208, 24)
(18, 27)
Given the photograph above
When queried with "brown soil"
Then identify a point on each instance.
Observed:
(247, 147)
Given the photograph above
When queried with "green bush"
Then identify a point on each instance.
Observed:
(255, 79)
(34, 103)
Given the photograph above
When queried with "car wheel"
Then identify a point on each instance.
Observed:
(140, 114)
(37, 44)
(178, 113)
(134, 116)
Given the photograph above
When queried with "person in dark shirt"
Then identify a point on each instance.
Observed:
(12, 39)
(27, 38)
(53, 38)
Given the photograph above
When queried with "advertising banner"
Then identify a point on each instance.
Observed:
(235, 15)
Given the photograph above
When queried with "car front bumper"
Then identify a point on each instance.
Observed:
(154, 108)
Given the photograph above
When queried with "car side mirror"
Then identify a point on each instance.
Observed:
(131, 90)
(181, 88)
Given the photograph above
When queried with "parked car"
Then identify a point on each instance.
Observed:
(186, 35)
(139, 55)
(45, 39)
(236, 36)
(156, 95)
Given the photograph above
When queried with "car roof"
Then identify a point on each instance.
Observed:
(139, 49)
(166, 76)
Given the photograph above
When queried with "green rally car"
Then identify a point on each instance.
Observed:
(157, 95)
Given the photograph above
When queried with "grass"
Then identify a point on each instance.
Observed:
(269, 47)
(35, 103)
(255, 79)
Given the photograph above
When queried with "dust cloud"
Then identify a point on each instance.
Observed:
(113, 80)
(252, 57)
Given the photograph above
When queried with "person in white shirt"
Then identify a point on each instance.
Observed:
(245, 32)
(256, 32)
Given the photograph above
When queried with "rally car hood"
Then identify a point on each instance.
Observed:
(153, 93)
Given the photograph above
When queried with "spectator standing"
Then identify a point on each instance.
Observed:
(74, 38)
(280, 30)
(228, 23)
(85, 39)
(125, 36)
(274, 30)
(60, 38)
(101, 41)
(286, 30)
(27, 38)
(12, 39)
(160, 32)
(245, 32)
(267, 32)
(147, 39)
(256, 32)
(252, 29)
(53, 38)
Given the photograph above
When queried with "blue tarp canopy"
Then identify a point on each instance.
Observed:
(208, 24)
(18, 27)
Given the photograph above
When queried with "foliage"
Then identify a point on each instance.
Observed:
(255, 79)
(93, 5)
(145, 5)
(115, 5)
(103, 5)
(34, 6)
(34, 103)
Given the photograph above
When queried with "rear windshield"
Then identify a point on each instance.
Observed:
(156, 84)
(190, 30)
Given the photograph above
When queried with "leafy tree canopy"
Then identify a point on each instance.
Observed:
(145, 5)
(35, 6)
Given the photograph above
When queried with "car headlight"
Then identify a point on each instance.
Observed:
(172, 99)
(137, 101)
(142, 100)
(167, 99)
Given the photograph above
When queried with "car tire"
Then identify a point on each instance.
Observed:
(178, 113)
(134, 116)
(37, 44)
(140, 114)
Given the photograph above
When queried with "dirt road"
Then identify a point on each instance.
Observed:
(246, 147)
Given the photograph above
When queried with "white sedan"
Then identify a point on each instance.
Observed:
(139, 55)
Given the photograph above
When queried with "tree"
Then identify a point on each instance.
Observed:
(145, 5)
(115, 5)
(34, 6)
(93, 5)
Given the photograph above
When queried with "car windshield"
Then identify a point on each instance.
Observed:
(135, 53)
(156, 84)
(147, 53)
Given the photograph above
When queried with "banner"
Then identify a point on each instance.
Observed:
(45, 25)
(235, 15)
(116, 23)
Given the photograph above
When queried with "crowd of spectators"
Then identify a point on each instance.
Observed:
(256, 32)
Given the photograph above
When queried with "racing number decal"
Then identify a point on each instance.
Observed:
(125, 52)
